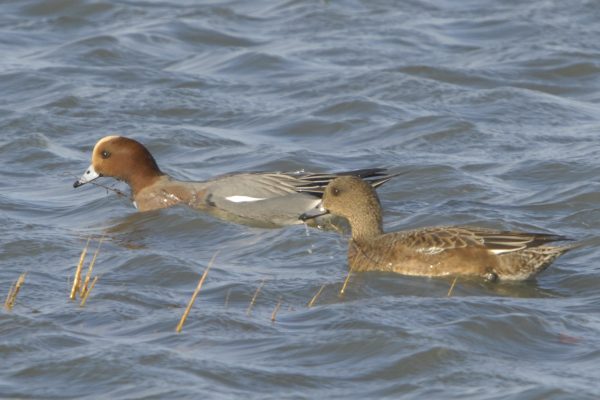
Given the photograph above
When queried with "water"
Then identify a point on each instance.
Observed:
(490, 108)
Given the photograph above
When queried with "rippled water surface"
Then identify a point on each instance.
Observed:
(491, 110)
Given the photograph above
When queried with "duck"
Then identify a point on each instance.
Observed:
(432, 251)
(269, 199)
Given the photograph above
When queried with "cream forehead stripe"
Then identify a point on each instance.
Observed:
(104, 140)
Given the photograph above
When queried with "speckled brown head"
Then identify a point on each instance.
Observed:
(354, 199)
(123, 159)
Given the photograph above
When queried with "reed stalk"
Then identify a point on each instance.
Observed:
(77, 279)
(195, 294)
(14, 291)
(87, 292)
(227, 298)
(315, 297)
(452, 286)
(277, 307)
(249, 310)
(88, 275)
(343, 289)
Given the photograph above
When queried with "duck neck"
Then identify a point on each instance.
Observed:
(366, 226)
(142, 179)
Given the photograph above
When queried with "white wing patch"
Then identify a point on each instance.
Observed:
(500, 251)
(431, 250)
(243, 199)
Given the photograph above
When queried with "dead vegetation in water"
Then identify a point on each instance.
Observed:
(315, 297)
(11, 298)
(118, 192)
(452, 287)
(345, 284)
(258, 289)
(227, 296)
(195, 294)
(83, 283)
(81, 286)
(277, 307)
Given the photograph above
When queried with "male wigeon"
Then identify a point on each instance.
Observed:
(434, 251)
(263, 199)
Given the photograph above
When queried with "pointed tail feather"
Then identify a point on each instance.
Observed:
(315, 184)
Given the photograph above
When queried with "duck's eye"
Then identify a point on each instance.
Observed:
(335, 191)
(105, 154)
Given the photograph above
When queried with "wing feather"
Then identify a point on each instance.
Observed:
(435, 240)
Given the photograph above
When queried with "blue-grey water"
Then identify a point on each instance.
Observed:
(490, 109)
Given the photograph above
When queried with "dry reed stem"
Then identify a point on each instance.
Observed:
(227, 298)
(9, 296)
(77, 279)
(343, 289)
(249, 310)
(112, 189)
(88, 275)
(87, 292)
(14, 291)
(117, 191)
(315, 297)
(195, 294)
(277, 307)
(452, 286)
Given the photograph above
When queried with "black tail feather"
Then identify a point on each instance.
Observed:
(315, 184)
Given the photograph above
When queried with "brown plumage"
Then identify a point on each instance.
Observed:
(435, 251)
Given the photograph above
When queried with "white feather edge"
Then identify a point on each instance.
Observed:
(436, 250)
(243, 199)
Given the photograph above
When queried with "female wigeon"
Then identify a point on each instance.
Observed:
(264, 199)
(435, 251)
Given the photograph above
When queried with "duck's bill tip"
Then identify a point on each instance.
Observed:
(89, 175)
(312, 214)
